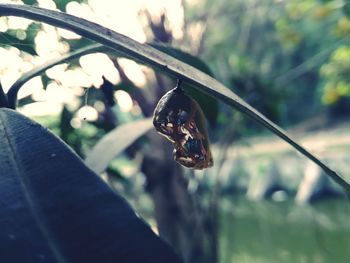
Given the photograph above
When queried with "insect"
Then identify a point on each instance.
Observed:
(180, 119)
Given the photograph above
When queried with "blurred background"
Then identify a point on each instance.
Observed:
(261, 202)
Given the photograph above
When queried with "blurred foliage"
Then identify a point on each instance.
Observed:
(60, 4)
(336, 83)
(271, 52)
(13, 38)
(21, 39)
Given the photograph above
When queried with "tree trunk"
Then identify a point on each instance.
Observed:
(179, 221)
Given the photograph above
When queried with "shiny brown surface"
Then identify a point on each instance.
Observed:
(180, 119)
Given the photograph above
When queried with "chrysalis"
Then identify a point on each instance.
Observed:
(180, 119)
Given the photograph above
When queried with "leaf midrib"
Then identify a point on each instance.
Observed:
(24, 183)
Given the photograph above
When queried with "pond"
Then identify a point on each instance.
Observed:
(283, 232)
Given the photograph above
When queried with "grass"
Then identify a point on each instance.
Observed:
(267, 232)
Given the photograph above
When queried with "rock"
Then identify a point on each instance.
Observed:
(264, 182)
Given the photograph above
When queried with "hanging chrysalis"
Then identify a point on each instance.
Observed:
(180, 119)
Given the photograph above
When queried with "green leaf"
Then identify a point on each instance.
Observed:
(54, 209)
(13, 91)
(114, 143)
(29, 2)
(163, 62)
(61, 4)
(78, 43)
(7, 40)
(208, 104)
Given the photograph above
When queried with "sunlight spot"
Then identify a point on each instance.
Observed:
(18, 22)
(124, 100)
(173, 10)
(11, 2)
(60, 94)
(120, 17)
(196, 29)
(3, 24)
(76, 78)
(48, 4)
(9, 78)
(78, 91)
(81, 10)
(67, 34)
(136, 110)
(133, 71)
(69, 82)
(10, 70)
(39, 95)
(97, 82)
(10, 56)
(88, 113)
(154, 226)
(98, 65)
(56, 71)
(128, 169)
(30, 87)
(175, 16)
(41, 109)
(76, 123)
(47, 43)
(99, 106)
(65, 48)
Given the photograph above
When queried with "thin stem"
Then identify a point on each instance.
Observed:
(178, 85)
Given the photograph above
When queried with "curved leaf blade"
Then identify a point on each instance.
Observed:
(13, 91)
(54, 209)
(163, 62)
(184, 57)
(114, 142)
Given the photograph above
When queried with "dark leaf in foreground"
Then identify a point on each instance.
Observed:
(54, 209)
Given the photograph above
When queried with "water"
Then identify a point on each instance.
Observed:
(283, 232)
